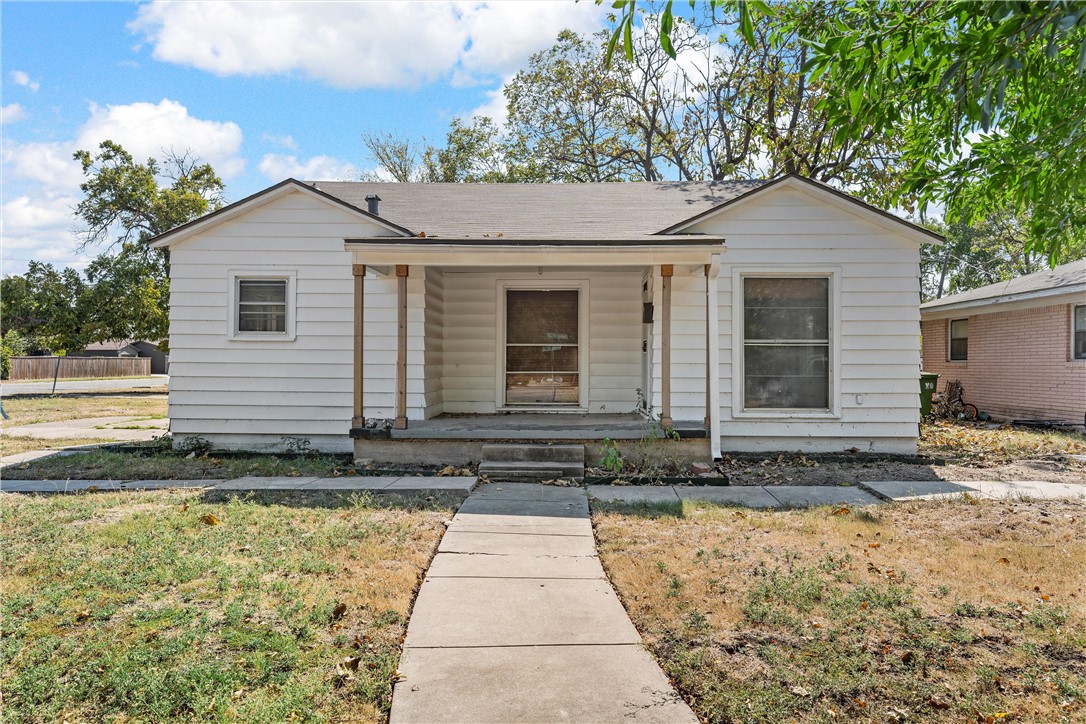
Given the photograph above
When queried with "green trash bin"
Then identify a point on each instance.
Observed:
(929, 381)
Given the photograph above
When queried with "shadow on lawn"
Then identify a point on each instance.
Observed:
(333, 499)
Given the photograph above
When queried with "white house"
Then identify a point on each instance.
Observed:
(776, 315)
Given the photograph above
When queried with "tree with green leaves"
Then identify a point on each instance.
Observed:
(45, 307)
(126, 203)
(988, 99)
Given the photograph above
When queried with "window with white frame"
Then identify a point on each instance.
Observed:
(959, 340)
(262, 305)
(1078, 334)
(786, 343)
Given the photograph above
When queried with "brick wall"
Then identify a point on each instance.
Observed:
(1019, 363)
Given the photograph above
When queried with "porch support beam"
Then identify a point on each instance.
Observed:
(712, 344)
(666, 272)
(401, 348)
(708, 347)
(359, 271)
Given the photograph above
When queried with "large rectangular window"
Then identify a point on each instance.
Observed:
(1079, 333)
(542, 352)
(959, 340)
(262, 305)
(786, 343)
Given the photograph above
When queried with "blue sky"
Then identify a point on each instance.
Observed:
(261, 90)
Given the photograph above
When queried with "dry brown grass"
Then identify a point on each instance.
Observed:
(32, 409)
(10, 445)
(931, 611)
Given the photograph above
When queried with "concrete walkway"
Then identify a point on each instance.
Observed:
(121, 428)
(516, 622)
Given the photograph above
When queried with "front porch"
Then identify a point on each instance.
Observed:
(534, 343)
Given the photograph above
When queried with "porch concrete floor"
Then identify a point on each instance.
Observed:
(538, 426)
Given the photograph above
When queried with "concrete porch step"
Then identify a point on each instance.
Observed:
(528, 471)
(534, 453)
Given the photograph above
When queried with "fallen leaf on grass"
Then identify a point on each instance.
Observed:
(184, 507)
(800, 691)
(209, 519)
(338, 611)
(82, 615)
(843, 510)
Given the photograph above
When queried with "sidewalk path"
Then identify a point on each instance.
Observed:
(124, 428)
(46, 386)
(516, 622)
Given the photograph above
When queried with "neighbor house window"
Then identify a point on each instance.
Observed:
(1079, 336)
(262, 305)
(959, 339)
(786, 343)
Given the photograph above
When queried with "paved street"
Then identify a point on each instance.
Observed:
(46, 386)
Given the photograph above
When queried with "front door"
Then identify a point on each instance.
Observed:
(542, 349)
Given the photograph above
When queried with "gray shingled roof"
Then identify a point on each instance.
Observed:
(617, 211)
(1069, 277)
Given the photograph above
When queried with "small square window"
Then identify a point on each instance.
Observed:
(959, 339)
(261, 306)
(1078, 339)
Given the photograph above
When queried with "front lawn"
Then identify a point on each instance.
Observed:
(32, 409)
(955, 611)
(187, 605)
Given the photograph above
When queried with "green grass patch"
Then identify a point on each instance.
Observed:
(179, 606)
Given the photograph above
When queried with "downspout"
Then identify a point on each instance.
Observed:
(712, 306)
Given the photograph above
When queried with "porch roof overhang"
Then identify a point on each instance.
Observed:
(648, 250)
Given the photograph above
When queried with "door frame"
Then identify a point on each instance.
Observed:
(542, 284)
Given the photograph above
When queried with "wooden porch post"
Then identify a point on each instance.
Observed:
(666, 271)
(708, 346)
(401, 348)
(359, 271)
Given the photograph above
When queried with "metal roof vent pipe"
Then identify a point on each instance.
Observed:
(373, 203)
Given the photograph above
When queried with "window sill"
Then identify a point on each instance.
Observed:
(261, 338)
(785, 414)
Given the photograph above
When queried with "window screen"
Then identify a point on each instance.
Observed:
(262, 305)
(542, 351)
(786, 342)
(959, 339)
(1080, 332)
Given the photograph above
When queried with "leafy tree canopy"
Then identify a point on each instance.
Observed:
(125, 203)
(987, 99)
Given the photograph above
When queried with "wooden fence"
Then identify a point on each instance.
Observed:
(43, 368)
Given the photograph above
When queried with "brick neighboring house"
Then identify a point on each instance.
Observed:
(1018, 347)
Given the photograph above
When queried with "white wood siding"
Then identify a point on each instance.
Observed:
(470, 373)
(878, 322)
(434, 341)
(253, 394)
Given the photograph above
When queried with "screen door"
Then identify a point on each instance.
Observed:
(542, 353)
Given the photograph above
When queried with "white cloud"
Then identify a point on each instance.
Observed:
(12, 113)
(19, 77)
(277, 167)
(48, 163)
(38, 223)
(285, 141)
(494, 107)
(357, 45)
(146, 129)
